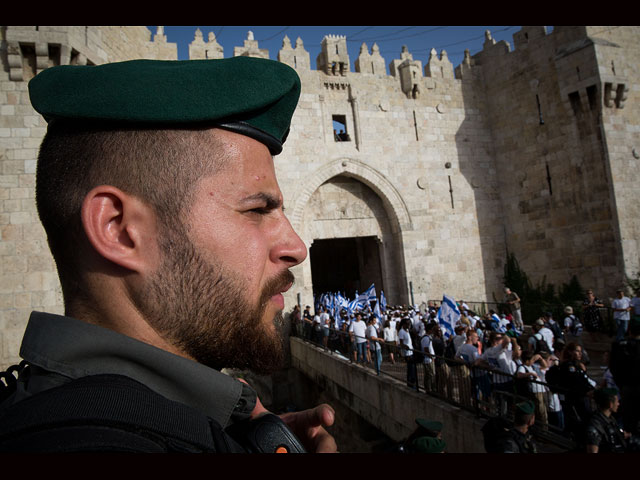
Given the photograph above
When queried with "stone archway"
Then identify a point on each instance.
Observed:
(352, 200)
(394, 204)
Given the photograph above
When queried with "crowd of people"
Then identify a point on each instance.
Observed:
(492, 362)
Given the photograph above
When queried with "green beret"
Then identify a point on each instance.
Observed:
(251, 96)
(605, 393)
(428, 445)
(526, 407)
(431, 427)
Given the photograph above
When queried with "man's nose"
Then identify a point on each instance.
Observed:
(290, 248)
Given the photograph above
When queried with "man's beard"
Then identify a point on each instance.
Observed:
(203, 310)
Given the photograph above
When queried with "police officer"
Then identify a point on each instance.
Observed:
(519, 439)
(427, 438)
(624, 364)
(156, 187)
(570, 381)
(603, 435)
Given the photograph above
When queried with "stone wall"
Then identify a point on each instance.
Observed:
(565, 157)
(382, 401)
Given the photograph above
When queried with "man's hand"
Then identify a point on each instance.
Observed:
(308, 426)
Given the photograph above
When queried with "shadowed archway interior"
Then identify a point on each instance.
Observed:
(345, 265)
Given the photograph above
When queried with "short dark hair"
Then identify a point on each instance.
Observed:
(159, 166)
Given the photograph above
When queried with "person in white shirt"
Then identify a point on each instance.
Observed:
(635, 305)
(621, 307)
(317, 327)
(374, 344)
(390, 336)
(406, 350)
(460, 336)
(419, 327)
(529, 370)
(504, 323)
(469, 353)
(547, 334)
(358, 334)
(428, 364)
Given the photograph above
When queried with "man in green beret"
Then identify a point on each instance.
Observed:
(624, 363)
(426, 438)
(519, 439)
(428, 445)
(156, 187)
(603, 434)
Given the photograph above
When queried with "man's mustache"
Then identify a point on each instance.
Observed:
(278, 284)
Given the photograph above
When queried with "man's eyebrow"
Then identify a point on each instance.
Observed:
(271, 201)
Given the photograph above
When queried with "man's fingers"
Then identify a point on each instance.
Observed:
(322, 415)
(309, 426)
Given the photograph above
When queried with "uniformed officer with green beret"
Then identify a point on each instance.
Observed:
(156, 187)
(426, 438)
(519, 439)
(603, 434)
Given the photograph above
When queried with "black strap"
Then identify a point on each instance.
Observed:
(108, 413)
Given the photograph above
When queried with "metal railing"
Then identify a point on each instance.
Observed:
(486, 392)
(531, 311)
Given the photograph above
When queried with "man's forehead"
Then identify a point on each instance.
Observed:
(245, 167)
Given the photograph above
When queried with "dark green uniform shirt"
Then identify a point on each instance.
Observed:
(60, 349)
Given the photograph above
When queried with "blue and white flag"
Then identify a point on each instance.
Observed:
(383, 301)
(371, 293)
(448, 315)
(376, 313)
(338, 304)
(352, 306)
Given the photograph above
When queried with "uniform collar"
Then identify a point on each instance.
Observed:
(75, 349)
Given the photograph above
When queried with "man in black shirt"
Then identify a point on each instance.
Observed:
(603, 434)
(519, 439)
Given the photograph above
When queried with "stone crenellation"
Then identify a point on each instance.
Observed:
(438, 170)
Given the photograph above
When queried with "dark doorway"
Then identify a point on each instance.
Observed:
(345, 265)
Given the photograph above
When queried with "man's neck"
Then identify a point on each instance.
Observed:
(119, 315)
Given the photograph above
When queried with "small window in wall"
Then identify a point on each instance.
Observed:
(340, 128)
(574, 99)
(592, 95)
(28, 61)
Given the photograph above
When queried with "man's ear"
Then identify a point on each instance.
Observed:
(120, 227)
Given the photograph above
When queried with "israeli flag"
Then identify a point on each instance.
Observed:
(352, 306)
(326, 300)
(383, 301)
(371, 293)
(362, 298)
(376, 312)
(338, 304)
(448, 315)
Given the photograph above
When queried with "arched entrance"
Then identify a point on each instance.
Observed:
(388, 221)
(352, 241)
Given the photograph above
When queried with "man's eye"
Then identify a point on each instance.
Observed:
(259, 210)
